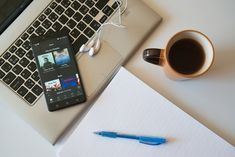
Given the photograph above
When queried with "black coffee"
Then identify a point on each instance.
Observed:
(186, 56)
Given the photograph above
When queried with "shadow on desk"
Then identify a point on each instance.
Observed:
(223, 68)
(221, 81)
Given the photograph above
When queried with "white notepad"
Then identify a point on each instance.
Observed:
(129, 106)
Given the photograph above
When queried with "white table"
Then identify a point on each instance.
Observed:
(210, 98)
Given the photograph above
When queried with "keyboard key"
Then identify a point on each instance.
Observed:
(6, 67)
(93, 11)
(29, 83)
(32, 67)
(78, 43)
(63, 19)
(46, 24)
(2, 74)
(77, 17)
(50, 31)
(24, 62)
(53, 17)
(59, 9)
(35, 76)
(65, 3)
(83, 9)
(36, 23)
(71, 23)
(17, 83)
(89, 3)
(103, 19)
(89, 32)
(56, 26)
(37, 90)
(32, 36)
(1, 61)
(40, 31)
(17, 69)
(24, 36)
(81, 26)
(65, 30)
(12, 49)
(25, 74)
(115, 5)
(107, 10)
(69, 12)
(20, 52)
(9, 78)
(42, 17)
(30, 97)
(101, 3)
(26, 45)
(22, 91)
(95, 25)
(30, 30)
(30, 55)
(75, 33)
(19, 42)
(87, 19)
(13, 59)
(71, 40)
(75, 5)
(53, 5)
(47, 11)
(6, 55)
(82, 1)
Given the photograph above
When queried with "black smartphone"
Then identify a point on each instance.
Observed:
(58, 71)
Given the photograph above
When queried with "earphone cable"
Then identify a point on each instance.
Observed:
(119, 24)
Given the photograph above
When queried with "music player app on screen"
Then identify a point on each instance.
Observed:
(58, 72)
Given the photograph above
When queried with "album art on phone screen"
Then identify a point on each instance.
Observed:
(62, 56)
(46, 61)
(53, 85)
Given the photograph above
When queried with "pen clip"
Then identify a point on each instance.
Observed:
(152, 140)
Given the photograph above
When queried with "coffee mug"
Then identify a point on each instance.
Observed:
(188, 54)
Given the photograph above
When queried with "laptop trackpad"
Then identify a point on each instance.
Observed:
(96, 70)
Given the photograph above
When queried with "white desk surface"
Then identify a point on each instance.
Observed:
(210, 98)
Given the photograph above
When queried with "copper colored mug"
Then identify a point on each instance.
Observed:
(188, 54)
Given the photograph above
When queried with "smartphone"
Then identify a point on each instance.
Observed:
(58, 71)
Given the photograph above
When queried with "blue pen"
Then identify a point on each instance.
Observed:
(142, 139)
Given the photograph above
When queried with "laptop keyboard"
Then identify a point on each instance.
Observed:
(80, 19)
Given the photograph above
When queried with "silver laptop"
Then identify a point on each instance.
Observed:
(20, 84)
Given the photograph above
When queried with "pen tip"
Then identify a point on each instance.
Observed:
(96, 132)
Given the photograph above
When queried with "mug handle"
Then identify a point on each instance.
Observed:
(153, 55)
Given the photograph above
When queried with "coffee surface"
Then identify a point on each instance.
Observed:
(186, 56)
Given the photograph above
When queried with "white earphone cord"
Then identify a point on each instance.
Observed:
(96, 40)
(119, 24)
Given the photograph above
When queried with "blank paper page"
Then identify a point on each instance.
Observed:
(129, 106)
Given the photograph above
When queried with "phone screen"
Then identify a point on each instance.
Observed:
(58, 71)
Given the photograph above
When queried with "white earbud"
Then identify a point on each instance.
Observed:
(92, 47)
(95, 49)
(85, 48)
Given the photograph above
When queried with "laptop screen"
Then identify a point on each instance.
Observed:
(9, 10)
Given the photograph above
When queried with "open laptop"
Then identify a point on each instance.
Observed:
(20, 84)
